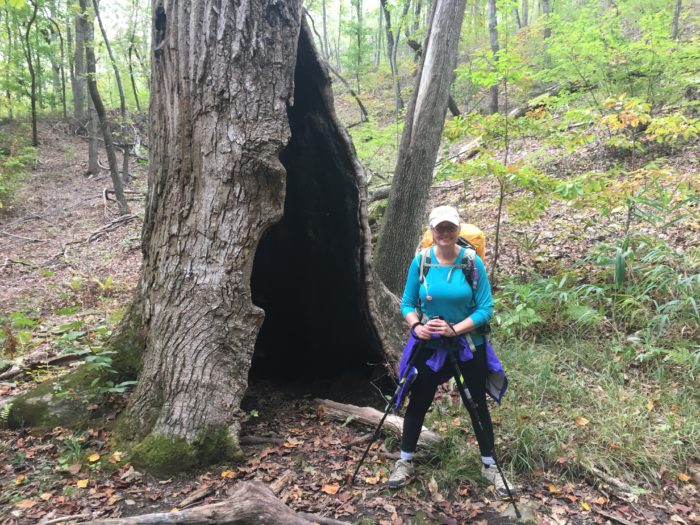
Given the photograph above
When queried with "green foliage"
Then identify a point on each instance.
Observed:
(12, 168)
(605, 49)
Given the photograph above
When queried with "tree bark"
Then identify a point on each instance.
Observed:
(398, 102)
(451, 103)
(132, 49)
(326, 50)
(675, 30)
(525, 12)
(419, 145)
(87, 31)
(78, 84)
(93, 149)
(493, 40)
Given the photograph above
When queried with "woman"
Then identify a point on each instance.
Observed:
(456, 311)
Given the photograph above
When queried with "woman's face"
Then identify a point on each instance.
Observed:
(445, 234)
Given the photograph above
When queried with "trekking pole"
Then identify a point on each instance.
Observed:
(414, 355)
(471, 408)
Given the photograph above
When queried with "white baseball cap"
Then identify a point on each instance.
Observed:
(444, 214)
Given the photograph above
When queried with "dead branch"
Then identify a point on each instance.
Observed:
(123, 219)
(371, 417)
(251, 503)
(200, 493)
(17, 370)
(66, 519)
(23, 238)
(382, 192)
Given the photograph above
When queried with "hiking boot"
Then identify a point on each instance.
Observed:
(402, 472)
(491, 475)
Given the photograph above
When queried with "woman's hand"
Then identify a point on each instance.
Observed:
(438, 327)
(422, 332)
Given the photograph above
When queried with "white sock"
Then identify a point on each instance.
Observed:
(488, 461)
(407, 456)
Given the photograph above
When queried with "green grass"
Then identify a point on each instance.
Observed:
(574, 404)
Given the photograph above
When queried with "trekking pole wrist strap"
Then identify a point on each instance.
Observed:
(413, 326)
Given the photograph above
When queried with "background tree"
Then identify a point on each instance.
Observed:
(391, 53)
(27, 46)
(493, 40)
(419, 145)
(78, 77)
(86, 29)
(122, 101)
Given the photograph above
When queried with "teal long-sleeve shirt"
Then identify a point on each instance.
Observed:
(447, 293)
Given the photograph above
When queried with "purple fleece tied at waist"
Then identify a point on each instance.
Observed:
(496, 380)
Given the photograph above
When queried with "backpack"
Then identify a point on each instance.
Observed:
(470, 237)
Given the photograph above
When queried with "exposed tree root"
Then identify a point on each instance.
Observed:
(251, 503)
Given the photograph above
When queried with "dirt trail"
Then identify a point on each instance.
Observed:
(44, 238)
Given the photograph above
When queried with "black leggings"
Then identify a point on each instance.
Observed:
(423, 391)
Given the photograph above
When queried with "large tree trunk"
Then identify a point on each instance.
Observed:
(419, 145)
(256, 241)
(525, 11)
(255, 196)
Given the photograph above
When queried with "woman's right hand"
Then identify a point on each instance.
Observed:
(422, 332)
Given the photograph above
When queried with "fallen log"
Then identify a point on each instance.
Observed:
(251, 503)
(371, 417)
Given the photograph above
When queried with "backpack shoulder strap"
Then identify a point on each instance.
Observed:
(469, 267)
(424, 264)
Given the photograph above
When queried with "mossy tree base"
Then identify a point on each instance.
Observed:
(164, 456)
(64, 401)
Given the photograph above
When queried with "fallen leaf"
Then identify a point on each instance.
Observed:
(82, 483)
(330, 488)
(93, 457)
(116, 457)
(585, 506)
(20, 479)
(683, 477)
(46, 496)
(553, 488)
(228, 474)
(649, 405)
(26, 504)
(75, 468)
(581, 421)
(174, 509)
(600, 500)
(372, 480)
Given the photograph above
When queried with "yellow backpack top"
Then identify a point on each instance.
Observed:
(469, 232)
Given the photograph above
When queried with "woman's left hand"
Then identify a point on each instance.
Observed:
(440, 327)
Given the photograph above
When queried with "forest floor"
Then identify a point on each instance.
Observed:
(65, 259)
